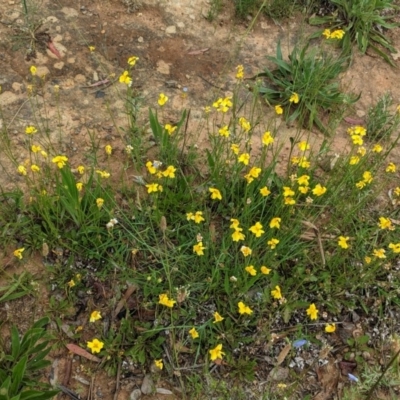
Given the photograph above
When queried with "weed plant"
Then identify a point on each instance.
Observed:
(219, 247)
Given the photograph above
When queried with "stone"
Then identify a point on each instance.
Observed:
(59, 65)
(70, 12)
(170, 30)
(135, 395)
(163, 67)
(147, 385)
(180, 25)
(140, 39)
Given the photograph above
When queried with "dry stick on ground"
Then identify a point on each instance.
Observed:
(118, 381)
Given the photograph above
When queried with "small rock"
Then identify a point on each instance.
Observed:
(170, 30)
(180, 25)
(80, 78)
(71, 60)
(360, 113)
(163, 391)
(163, 67)
(7, 98)
(140, 39)
(147, 385)
(59, 65)
(69, 12)
(95, 76)
(135, 395)
(16, 86)
(279, 374)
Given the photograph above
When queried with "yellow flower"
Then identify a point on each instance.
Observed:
(395, 247)
(377, 148)
(275, 223)
(391, 167)
(246, 126)
(319, 190)
(265, 191)
(193, 333)
(103, 174)
(151, 168)
(304, 163)
(312, 311)
(217, 317)
(99, 202)
(235, 223)
(367, 177)
(288, 192)
(197, 217)
(279, 109)
(379, 253)
(165, 300)
(294, 98)
(385, 223)
(60, 161)
(276, 293)
(235, 148)
(289, 201)
(223, 104)
(244, 158)
(330, 328)
(170, 129)
(216, 352)
(198, 249)
(215, 194)
(125, 78)
(33, 70)
(257, 229)
(35, 148)
(267, 138)
(357, 140)
(362, 151)
(251, 270)
(80, 169)
(302, 189)
(154, 187)
(254, 172)
(43, 153)
(243, 309)
(169, 172)
(327, 33)
(224, 131)
(162, 99)
(71, 283)
(264, 270)
(35, 168)
(357, 130)
(354, 160)
(367, 260)
(18, 252)
(239, 73)
(30, 130)
(159, 364)
(303, 180)
(95, 316)
(108, 149)
(303, 145)
(397, 191)
(246, 251)
(95, 346)
(342, 242)
(132, 60)
(92, 49)
(238, 235)
(337, 34)
(79, 186)
(272, 243)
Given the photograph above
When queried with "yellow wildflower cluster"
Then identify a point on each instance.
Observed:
(336, 34)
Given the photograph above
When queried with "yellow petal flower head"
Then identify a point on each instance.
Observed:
(95, 346)
(103, 174)
(245, 125)
(80, 169)
(60, 161)
(95, 316)
(267, 138)
(99, 202)
(265, 191)
(239, 73)
(395, 247)
(132, 60)
(357, 140)
(303, 180)
(254, 172)
(79, 185)
(30, 130)
(235, 223)
(367, 177)
(354, 160)
(257, 229)
(330, 328)
(197, 217)
(216, 353)
(217, 317)
(169, 172)
(224, 131)
(18, 253)
(35, 148)
(244, 158)
(125, 78)
(391, 168)
(92, 49)
(246, 251)
(198, 249)
(312, 312)
(379, 253)
(162, 99)
(170, 129)
(154, 187)
(319, 190)
(385, 223)
(327, 33)
(71, 283)
(303, 145)
(235, 148)
(276, 293)
(272, 243)
(294, 98)
(159, 364)
(108, 149)
(21, 170)
(165, 300)
(342, 242)
(193, 333)
(223, 104)
(275, 223)
(278, 110)
(243, 309)
(288, 192)
(377, 148)
(337, 34)
(215, 194)
(33, 70)
(251, 270)
(264, 270)
(237, 235)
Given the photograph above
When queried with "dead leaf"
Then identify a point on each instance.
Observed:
(328, 376)
(45, 249)
(354, 121)
(53, 49)
(73, 348)
(124, 299)
(197, 52)
(283, 354)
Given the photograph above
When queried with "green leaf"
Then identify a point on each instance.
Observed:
(156, 128)
(15, 343)
(18, 373)
(36, 395)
